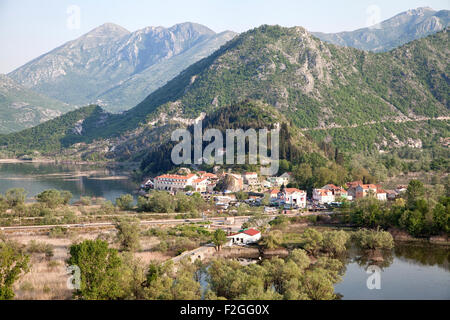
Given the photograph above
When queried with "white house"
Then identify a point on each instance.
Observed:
(173, 182)
(323, 196)
(201, 184)
(381, 195)
(248, 236)
(291, 196)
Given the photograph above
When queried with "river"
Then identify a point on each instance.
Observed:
(80, 180)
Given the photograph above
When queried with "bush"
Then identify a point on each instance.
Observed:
(15, 197)
(373, 239)
(125, 202)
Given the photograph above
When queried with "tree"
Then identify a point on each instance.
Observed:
(13, 263)
(51, 198)
(273, 240)
(219, 239)
(66, 196)
(100, 268)
(128, 234)
(415, 191)
(125, 202)
(15, 197)
(312, 241)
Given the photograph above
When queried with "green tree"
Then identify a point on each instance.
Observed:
(51, 198)
(219, 239)
(312, 241)
(13, 263)
(125, 202)
(128, 234)
(272, 240)
(415, 191)
(15, 197)
(100, 268)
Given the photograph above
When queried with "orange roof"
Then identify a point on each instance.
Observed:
(293, 190)
(200, 180)
(354, 184)
(251, 232)
(209, 175)
(369, 186)
(175, 177)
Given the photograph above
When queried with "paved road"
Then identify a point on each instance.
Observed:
(146, 222)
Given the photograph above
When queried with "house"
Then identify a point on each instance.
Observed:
(338, 192)
(363, 190)
(250, 178)
(381, 194)
(391, 194)
(351, 188)
(290, 196)
(200, 185)
(210, 176)
(278, 181)
(323, 196)
(248, 236)
(401, 189)
(174, 182)
(288, 177)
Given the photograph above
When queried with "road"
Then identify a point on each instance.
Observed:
(241, 219)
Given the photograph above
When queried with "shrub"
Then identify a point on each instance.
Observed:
(125, 202)
(373, 239)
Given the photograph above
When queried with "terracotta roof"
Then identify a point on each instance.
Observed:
(293, 190)
(209, 175)
(175, 176)
(200, 180)
(251, 232)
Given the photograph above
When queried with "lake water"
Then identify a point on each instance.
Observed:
(80, 180)
(409, 272)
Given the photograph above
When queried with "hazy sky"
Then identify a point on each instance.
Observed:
(29, 28)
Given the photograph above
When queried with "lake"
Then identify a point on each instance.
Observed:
(409, 272)
(80, 180)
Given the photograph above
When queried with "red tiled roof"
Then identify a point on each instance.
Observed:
(293, 190)
(251, 232)
(175, 176)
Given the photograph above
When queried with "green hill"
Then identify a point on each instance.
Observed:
(319, 87)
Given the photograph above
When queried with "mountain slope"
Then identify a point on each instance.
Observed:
(21, 108)
(392, 33)
(316, 85)
(93, 67)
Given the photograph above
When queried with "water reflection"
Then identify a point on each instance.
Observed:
(81, 180)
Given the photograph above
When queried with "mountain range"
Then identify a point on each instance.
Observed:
(117, 68)
(357, 100)
(392, 33)
(21, 108)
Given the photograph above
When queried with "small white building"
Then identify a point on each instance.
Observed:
(200, 185)
(381, 195)
(290, 196)
(248, 236)
(323, 196)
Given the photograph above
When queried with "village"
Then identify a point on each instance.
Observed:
(229, 190)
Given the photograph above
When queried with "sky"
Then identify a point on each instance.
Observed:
(30, 28)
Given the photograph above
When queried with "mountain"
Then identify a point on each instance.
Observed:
(21, 108)
(392, 33)
(116, 68)
(379, 101)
